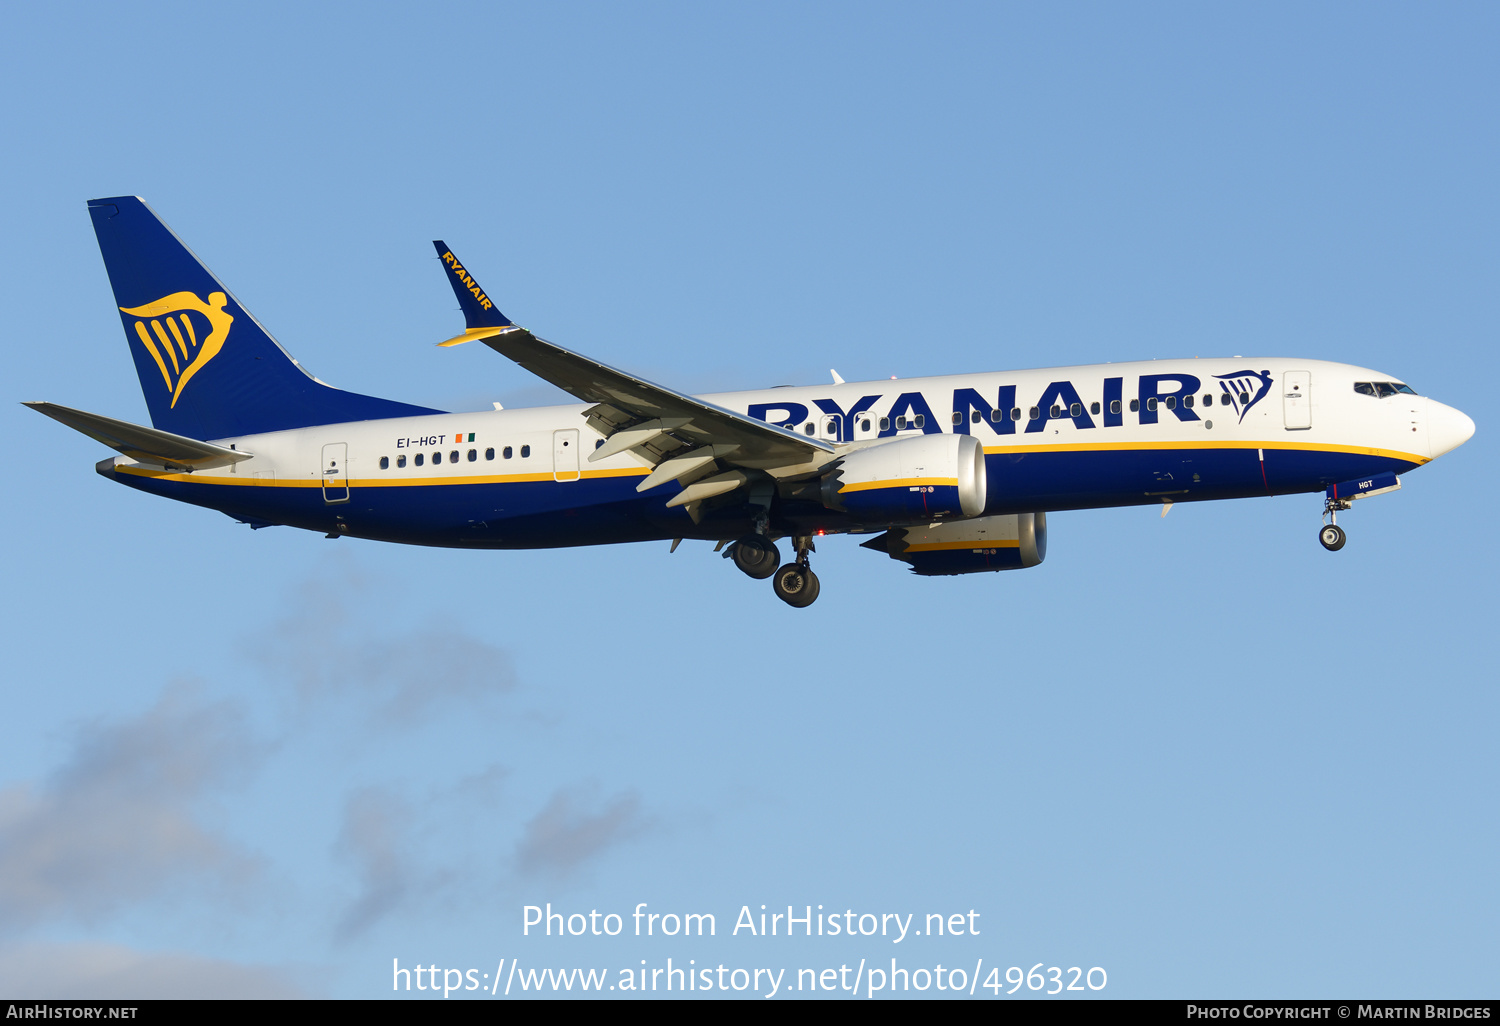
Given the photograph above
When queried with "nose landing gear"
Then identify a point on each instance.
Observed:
(796, 584)
(1331, 535)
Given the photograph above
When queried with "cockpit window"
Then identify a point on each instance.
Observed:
(1383, 389)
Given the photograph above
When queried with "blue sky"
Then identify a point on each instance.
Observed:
(1199, 752)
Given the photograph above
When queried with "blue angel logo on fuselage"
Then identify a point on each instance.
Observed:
(1237, 387)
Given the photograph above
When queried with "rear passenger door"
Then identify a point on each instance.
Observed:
(335, 472)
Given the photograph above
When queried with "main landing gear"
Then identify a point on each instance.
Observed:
(757, 556)
(1331, 535)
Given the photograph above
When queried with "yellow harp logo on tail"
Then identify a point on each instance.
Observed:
(173, 340)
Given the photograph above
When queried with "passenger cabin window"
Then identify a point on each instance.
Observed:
(1171, 402)
(453, 456)
(385, 463)
(1114, 406)
(525, 452)
(885, 423)
(1208, 399)
(1075, 410)
(1151, 403)
(417, 460)
(864, 425)
(473, 455)
(400, 462)
(975, 418)
(921, 419)
(996, 416)
(900, 423)
(506, 452)
(1187, 401)
(437, 458)
(489, 454)
(1055, 412)
(1034, 414)
(958, 418)
(1135, 406)
(1094, 409)
(808, 429)
(1015, 413)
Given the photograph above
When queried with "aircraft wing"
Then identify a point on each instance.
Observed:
(708, 449)
(625, 400)
(149, 445)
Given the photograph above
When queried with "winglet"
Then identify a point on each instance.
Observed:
(481, 317)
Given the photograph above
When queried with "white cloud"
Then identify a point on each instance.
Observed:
(375, 838)
(321, 650)
(117, 822)
(574, 827)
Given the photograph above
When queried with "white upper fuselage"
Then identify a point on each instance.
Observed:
(1408, 428)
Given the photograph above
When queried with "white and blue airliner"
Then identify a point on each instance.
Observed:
(950, 475)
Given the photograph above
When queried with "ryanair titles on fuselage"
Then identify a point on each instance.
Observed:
(1180, 394)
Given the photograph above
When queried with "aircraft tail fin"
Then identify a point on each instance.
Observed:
(482, 318)
(207, 367)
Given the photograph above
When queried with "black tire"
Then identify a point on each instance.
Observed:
(1332, 537)
(756, 556)
(795, 585)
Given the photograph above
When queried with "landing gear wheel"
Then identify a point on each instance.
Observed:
(1332, 536)
(755, 556)
(795, 585)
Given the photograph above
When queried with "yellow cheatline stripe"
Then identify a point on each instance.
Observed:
(140, 329)
(908, 482)
(171, 353)
(372, 482)
(1358, 450)
(1013, 543)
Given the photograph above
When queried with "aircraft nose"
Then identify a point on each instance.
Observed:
(1447, 428)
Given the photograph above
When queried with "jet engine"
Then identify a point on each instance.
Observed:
(1014, 541)
(909, 479)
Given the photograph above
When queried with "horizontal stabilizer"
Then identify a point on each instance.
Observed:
(148, 445)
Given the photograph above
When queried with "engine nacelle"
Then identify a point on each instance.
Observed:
(1011, 542)
(910, 479)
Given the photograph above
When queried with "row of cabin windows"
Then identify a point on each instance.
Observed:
(919, 421)
(1035, 413)
(454, 457)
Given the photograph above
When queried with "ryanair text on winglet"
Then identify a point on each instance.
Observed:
(469, 283)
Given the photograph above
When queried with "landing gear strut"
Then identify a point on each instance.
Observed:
(1331, 535)
(796, 584)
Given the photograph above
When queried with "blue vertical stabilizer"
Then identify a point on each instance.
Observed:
(207, 368)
